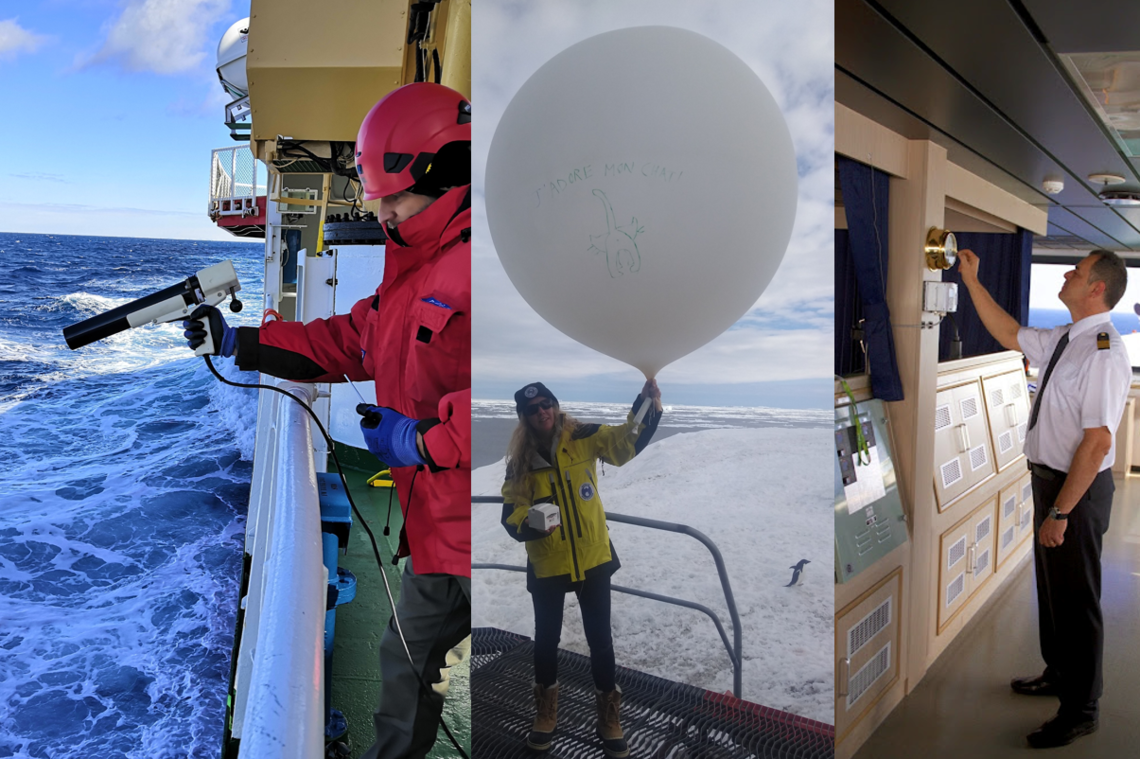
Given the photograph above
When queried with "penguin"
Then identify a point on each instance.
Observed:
(798, 573)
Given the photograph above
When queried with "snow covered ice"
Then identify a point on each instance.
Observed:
(759, 495)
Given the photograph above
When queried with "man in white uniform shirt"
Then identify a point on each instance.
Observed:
(1084, 375)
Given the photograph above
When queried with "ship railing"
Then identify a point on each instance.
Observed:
(234, 183)
(734, 649)
(278, 709)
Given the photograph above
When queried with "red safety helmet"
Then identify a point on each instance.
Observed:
(403, 132)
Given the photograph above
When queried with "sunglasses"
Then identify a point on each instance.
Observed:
(545, 404)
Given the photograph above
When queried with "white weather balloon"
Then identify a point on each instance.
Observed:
(641, 189)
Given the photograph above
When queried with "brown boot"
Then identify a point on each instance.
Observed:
(546, 704)
(609, 723)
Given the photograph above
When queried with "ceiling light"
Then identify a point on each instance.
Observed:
(1120, 197)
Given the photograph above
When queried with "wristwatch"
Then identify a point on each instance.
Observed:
(1056, 514)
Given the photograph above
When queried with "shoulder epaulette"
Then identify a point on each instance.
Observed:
(1102, 341)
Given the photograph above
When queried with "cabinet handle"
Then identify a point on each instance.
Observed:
(842, 678)
(963, 438)
(972, 554)
(1011, 414)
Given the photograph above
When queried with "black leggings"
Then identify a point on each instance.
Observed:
(594, 600)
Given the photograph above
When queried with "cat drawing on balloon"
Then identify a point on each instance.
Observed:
(619, 244)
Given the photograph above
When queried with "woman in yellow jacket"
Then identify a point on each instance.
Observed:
(552, 460)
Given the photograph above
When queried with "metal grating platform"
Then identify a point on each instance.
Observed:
(662, 719)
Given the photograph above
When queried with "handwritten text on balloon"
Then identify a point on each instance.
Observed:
(647, 169)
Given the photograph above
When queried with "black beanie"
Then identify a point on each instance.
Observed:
(527, 394)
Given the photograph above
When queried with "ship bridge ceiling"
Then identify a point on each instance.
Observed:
(993, 82)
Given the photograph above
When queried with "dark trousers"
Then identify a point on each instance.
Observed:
(594, 600)
(1068, 592)
(435, 615)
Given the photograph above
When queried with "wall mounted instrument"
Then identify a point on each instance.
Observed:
(869, 519)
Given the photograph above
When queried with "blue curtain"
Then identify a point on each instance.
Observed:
(849, 358)
(1004, 271)
(865, 197)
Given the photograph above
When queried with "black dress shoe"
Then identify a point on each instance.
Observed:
(1033, 686)
(1060, 731)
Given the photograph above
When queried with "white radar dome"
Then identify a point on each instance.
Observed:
(231, 58)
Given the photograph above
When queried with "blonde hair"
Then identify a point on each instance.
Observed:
(525, 444)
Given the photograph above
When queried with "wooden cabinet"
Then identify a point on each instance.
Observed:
(967, 552)
(962, 453)
(1015, 517)
(1007, 405)
(867, 639)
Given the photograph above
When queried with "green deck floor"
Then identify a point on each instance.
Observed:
(359, 625)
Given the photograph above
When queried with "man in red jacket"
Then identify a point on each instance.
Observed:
(413, 337)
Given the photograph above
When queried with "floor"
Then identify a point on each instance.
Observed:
(360, 623)
(964, 707)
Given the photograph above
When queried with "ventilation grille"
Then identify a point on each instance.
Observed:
(1005, 442)
(1021, 430)
(955, 588)
(951, 473)
(942, 417)
(956, 552)
(978, 457)
(997, 398)
(982, 531)
(1008, 507)
(868, 675)
(983, 564)
(1015, 391)
(1027, 492)
(970, 407)
(868, 627)
(1007, 538)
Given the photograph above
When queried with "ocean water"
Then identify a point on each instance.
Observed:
(125, 481)
(1126, 322)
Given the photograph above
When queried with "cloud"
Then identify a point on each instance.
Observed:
(14, 39)
(74, 208)
(160, 36)
(41, 177)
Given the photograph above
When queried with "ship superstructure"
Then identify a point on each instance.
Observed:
(302, 77)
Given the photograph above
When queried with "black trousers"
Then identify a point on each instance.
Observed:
(1068, 592)
(435, 615)
(594, 601)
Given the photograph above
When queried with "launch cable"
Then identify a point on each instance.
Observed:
(427, 691)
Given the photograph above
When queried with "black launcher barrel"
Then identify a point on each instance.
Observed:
(114, 321)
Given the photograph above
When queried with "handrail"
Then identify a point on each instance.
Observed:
(282, 703)
(735, 650)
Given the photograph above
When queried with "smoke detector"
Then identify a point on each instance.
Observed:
(1052, 186)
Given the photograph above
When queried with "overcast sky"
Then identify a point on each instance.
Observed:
(111, 109)
(780, 353)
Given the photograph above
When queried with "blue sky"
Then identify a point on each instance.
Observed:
(779, 353)
(111, 110)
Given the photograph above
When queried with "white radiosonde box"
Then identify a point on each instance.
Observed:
(543, 516)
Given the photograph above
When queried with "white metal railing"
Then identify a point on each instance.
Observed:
(279, 683)
(234, 183)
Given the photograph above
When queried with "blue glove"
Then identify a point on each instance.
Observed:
(390, 435)
(225, 336)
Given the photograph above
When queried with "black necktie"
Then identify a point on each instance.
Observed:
(1045, 379)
